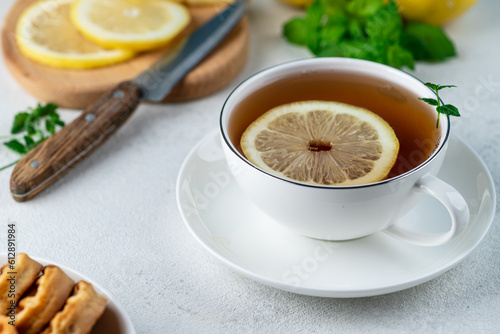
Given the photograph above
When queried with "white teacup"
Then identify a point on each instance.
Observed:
(342, 213)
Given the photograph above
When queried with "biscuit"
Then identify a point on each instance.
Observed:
(26, 271)
(81, 311)
(5, 327)
(43, 300)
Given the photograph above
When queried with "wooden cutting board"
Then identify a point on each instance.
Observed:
(76, 89)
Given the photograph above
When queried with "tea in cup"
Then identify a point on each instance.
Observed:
(344, 210)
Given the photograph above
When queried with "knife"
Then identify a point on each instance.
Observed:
(57, 155)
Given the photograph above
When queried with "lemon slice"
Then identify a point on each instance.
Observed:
(129, 24)
(45, 34)
(322, 143)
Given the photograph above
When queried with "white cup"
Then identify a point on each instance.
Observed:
(343, 213)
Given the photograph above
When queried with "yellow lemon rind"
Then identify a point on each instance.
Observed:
(133, 42)
(433, 12)
(43, 55)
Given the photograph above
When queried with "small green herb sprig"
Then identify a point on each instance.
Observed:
(367, 29)
(32, 127)
(446, 109)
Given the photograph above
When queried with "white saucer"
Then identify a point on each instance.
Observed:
(236, 232)
(113, 320)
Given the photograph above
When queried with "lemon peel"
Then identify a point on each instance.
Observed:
(44, 34)
(136, 25)
(433, 12)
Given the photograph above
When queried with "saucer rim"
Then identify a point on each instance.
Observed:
(381, 289)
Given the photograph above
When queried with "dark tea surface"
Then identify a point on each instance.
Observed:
(413, 121)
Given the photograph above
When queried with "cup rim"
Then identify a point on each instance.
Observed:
(225, 135)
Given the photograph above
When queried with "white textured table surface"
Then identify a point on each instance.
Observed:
(114, 218)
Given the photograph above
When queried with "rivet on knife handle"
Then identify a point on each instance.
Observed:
(53, 158)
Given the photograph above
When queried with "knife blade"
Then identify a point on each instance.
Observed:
(64, 150)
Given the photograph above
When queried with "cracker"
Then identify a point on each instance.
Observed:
(26, 271)
(43, 300)
(81, 311)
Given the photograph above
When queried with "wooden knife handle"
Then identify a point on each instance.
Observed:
(57, 155)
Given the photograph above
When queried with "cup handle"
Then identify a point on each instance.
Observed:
(451, 199)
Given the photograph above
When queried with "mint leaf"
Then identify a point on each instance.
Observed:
(47, 109)
(437, 45)
(314, 14)
(313, 41)
(16, 146)
(432, 86)
(356, 49)
(331, 50)
(333, 7)
(364, 8)
(355, 29)
(19, 121)
(446, 86)
(448, 109)
(30, 143)
(50, 126)
(386, 24)
(296, 31)
(413, 44)
(397, 57)
(29, 126)
(366, 29)
(432, 102)
(60, 123)
(331, 35)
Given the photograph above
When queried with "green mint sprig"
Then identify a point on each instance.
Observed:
(446, 109)
(367, 29)
(32, 127)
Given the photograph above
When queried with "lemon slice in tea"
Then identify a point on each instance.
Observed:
(322, 143)
(130, 24)
(45, 34)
